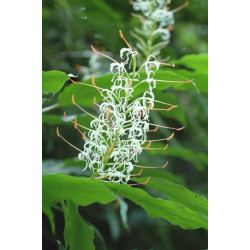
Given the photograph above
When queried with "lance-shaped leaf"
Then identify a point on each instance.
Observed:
(77, 234)
(178, 193)
(80, 190)
(174, 212)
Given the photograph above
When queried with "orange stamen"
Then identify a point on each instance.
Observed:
(109, 150)
(138, 174)
(58, 134)
(177, 129)
(124, 39)
(188, 81)
(181, 7)
(143, 183)
(74, 103)
(107, 116)
(163, 109)
(154, 130)
(130, 83)
(66, 118)
(163, 139)
(174, 106)
(151, 167)
(164, 148)
(167, 64)
(101, 54)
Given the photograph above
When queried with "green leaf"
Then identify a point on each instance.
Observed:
(79, 235)
(175, 213)
(199, 64)
(178, 193)
(53, 81)
(47, 210)
(82, 191)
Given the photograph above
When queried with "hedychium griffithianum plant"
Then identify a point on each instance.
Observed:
(157, 21)
(120, 133)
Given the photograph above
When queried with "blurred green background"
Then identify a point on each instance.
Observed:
(69, 28)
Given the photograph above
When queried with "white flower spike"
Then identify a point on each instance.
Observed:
(116, 137)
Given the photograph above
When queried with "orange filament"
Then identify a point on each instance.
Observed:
(177, 129)
(143, 183)
(82, 133)
(174, 106)
(58, 134)
(181, 7)
(154, 130)
(167, 64)
(138, 174)
(74, 103)
(151, 167)
(93, 82)
(163, 139)
(82, 83)
(188, 81)
(163, 109)
(101, 54)
(124, 39)
(66, 118)
(107, 116)
(147, 109)
(130, 83)
(109, 150)
(164, 148)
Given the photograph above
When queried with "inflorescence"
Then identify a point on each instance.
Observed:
(157, 20)
(119, 134)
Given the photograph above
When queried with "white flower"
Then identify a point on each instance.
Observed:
(165, 34)
(120, 130)
(164, 17)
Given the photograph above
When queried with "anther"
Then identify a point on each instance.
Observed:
(107, 116)
(124, 39)
(174, 106)
(58, 134)
(73, 101)
(167, 64)
(66, 118)
(101, 54)
(75, 123)
(164, 148)
(138, 174)
(57, 131)
(181, 7)
(188, 81)
(148, 145)
(163, 109)
(153, 130)
(163, 139)
(130, 83)
(177, 129)
(142, 183)
(72, 80)
(109, 150)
